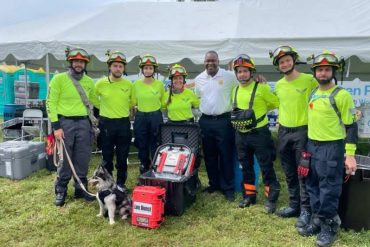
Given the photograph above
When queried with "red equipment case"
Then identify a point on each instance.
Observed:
(148, 206)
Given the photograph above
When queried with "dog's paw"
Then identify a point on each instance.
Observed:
(99, 215)
(112, 222)
(124, 217)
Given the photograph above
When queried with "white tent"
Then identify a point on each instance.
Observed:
(173, 31)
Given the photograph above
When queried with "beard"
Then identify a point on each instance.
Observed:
(117, 75)
(324, 81)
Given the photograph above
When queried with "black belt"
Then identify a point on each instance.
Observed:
(293, 129)
(191, 120)
(113, 119)
(140, 113)
(255, 130)
(73, 117)
(220, 116)
(321, 143)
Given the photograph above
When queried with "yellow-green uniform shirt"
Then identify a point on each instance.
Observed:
(64, 99)
(293, 96)
(115, 97)
(181, 104)
(264, 100)
(323, 121)
(147, 97)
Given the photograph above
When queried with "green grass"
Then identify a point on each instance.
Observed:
(28, 217)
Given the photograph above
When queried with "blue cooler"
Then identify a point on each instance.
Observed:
(239, 174)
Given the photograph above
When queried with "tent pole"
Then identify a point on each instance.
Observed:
(47, 70)
(47, 78)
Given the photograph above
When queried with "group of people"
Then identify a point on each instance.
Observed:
(317, 128)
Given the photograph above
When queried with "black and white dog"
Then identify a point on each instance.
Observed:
(110, 197)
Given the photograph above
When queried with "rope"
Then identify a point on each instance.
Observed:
(59, 150)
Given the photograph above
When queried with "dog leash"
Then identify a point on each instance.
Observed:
(59, 149)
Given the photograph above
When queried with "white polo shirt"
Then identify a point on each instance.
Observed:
(215, 92)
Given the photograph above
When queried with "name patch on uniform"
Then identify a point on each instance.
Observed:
(221, 82)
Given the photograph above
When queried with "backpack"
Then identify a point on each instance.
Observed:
(331, 100)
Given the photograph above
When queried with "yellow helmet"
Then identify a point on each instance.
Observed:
(327, 59)
(177, 69)
(148, 60)
(116, 56)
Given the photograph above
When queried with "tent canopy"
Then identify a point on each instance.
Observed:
(173, 31)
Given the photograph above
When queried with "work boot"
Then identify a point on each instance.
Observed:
(311, 228)
(60, 196)
(249, 195)
(80, 193)
(272, 194)
(229, 196)
(328, 233)
(247, 201)
(304, 219)
(288, 212)
(210, 189)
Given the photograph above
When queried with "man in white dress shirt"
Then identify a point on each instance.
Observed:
(214, 87)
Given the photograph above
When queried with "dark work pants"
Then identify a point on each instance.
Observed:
(325, 179)
(146, 127)
(218, 143)
(116, 135)
(291, 143)
(78, 139)
(257, 142)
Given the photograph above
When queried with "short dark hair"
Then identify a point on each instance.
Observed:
(212, 52)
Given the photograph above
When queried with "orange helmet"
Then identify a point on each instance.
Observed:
(77, 54)
(244, 60)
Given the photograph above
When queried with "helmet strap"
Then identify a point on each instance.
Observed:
(288, 72)
(247, 80)
(149, 76)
